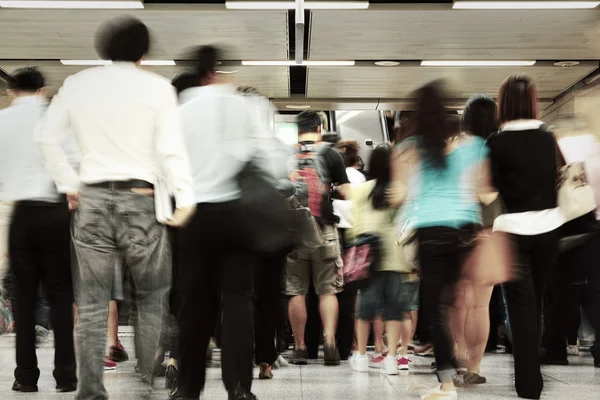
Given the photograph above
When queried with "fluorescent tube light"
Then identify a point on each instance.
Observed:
(290, 5)
(108, 62)
(468, 63)
(292, 63)
(81, 4)
(86, 62)
(523, 5)
(158, 63)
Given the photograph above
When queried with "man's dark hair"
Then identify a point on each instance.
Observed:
(27, 79)
(331, 137)
(185, 80)
(123, 39)
(308, 122)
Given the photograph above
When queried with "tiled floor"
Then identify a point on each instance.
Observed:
(580, 381)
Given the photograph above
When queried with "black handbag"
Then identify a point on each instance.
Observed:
(266, 215)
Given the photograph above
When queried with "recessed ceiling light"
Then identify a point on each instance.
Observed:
(473, 63)
(298, 107)
(109, 4)
(290, 5)
(523, 5)
(292, 63)
(387, 63)
(566, 64)
(108, 62)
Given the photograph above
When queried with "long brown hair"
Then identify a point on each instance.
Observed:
(517, 99)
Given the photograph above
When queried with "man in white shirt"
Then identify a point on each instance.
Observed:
(39, 240)
(127, 127)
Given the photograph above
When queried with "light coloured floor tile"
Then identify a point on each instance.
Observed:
(579, 381)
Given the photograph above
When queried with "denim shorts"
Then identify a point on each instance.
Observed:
(389, 295)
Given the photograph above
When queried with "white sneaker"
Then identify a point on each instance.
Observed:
(281, 362)
(390, 365)
(360, 363)
(573, 350)
(439, 394)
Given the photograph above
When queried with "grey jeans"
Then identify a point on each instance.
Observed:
(110, 225)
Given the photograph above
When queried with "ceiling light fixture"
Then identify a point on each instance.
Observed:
(292, 63)
(159, 63)
(155, 63)
(79, 4)
(566, 64)
(290, 5)
(470, 63)
(227, 72)
(387, 63)
(523, 5)
(298, 107)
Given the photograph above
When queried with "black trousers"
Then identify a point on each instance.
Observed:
(537, 256)
(214, 260)
(565, 298)
(268, 316)
(39, 249)
(442, 252)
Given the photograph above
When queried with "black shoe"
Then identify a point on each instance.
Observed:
(548, 359)
(171, 378)
(299, 357)
(241, 395)
(176, 394)
(66, 387)
(332, 355)
(17, 387)
(118, 354)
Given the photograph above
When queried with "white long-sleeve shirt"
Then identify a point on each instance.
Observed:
(223, 131)
(22, 172)
(127, 127)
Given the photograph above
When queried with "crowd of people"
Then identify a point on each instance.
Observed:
(449, 221)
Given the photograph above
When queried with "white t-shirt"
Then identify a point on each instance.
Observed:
(343, 208)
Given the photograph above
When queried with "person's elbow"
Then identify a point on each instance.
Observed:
(344, 191)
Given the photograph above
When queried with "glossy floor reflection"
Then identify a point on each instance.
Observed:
(579, 381)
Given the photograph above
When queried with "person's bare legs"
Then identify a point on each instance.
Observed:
(362, 335)
(477, 328)
(458, 319)
(113, 324)
(414, 318)
(297, 313)
(329, 310)
(406, 332)
(378, 330)
(393, 330)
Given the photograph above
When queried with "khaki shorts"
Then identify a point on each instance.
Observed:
(321, 265)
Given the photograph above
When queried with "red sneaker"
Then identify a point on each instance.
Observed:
(109, 365)
(403, 364)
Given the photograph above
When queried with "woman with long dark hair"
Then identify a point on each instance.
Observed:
(470, 317)
(524, 169)
(439, 179)
(392, 290)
